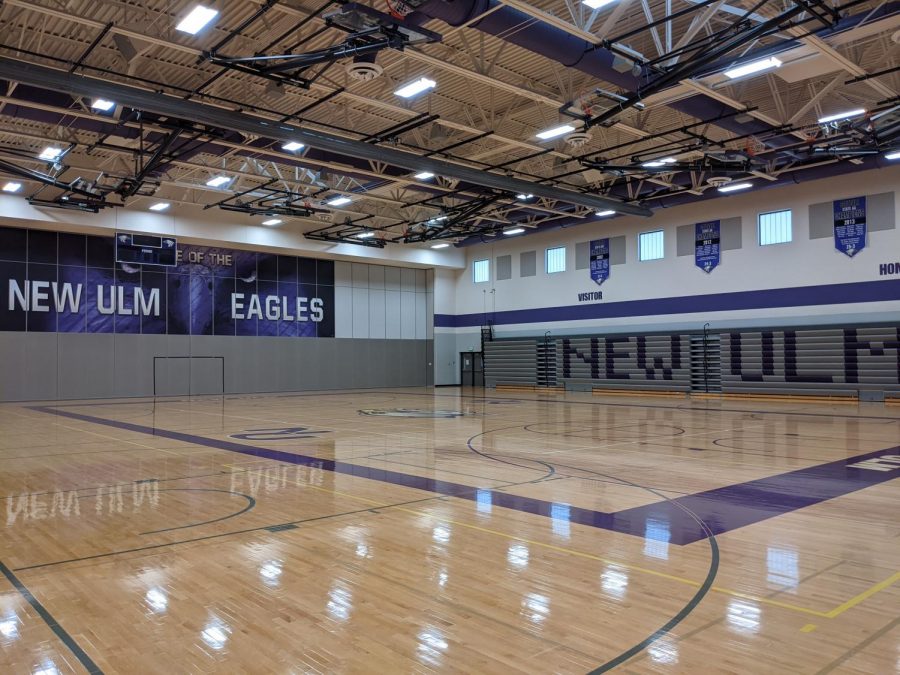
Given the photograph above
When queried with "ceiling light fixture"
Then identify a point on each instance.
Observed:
(752, 67)
(440, 246)
(293, 146)
(425, 175)
(160, 206)
(733, 187)
(218, 181)
(12, 187)
(597, 4)
(50, 154)
(194, 22)
(605, 213)
(893, 155)
(842, 116)
(415, 88)
(365, 235)
(102, 104)
(659, 162)
(523, 196)
(339, 201)
(272, 222)
(515, 230)
(555, 131)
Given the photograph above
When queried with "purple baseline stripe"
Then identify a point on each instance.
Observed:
(831, 294)
(721, 510)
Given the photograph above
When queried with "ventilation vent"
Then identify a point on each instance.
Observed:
(363, 70)
(578, 139)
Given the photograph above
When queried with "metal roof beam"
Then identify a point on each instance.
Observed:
(79, 85)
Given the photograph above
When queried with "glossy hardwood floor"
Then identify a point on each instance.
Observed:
(441, 531)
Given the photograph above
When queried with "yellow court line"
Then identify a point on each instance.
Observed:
(113, 438)
(868, 593)
(808, 628)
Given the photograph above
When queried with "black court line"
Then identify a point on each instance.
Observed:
(251, 502)
(52, 623)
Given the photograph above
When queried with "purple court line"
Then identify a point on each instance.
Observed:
(721, 510)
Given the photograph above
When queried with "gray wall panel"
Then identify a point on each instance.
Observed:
(617, 250)
(421, 281)
(582, 255)
(504, 267)
(376, 276)
(407, 279)
(360, 313)
(421, 315)
(86, 365)
(392, 278)
(684, 240)
(393, 310)
(821, 220)
(528, 263)
(377, 328)
(732, 234)
(880, 212)
(407, 315)
(343, 313)
(360, 275)
(14, 375)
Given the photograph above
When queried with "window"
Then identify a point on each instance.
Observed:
(650, 245)
(775, 228)
(481, 271)
(556, 260)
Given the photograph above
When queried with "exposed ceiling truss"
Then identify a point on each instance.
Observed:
(459, 162)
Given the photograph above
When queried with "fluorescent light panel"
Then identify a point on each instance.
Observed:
(659, 162)
(523, 196)
(842, 116)
(272, 222)
(597, 4)
(425, 175)
(12, 186)
(414, 88)
(515, 230)
(555, 131)
(197, 19)
(218, 181)
(365, 235)
(893, 155)
(160, 206)
(103, 104)
(605, 213)
(50, 153)
(293, 146)
(339, 201)
(440, 246)
(753, 67)
(733, 187)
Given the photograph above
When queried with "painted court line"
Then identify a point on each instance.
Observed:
(720, 510)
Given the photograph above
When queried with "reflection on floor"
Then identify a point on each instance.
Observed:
(416, 530)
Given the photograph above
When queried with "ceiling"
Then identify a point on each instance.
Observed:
(504, 72)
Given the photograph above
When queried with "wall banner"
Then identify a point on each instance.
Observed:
(706, 245)
(850, 225)
(600, 260)
(71, 283)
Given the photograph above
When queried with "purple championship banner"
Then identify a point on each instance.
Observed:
(850, 225)
(71, 283)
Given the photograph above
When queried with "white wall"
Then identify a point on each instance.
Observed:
(804, 262)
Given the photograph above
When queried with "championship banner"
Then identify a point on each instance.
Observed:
(600, 260)
(72, 283)
(850, 225)
(706, 245)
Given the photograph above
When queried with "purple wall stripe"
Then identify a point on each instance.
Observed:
(831, 294)
(675, 521)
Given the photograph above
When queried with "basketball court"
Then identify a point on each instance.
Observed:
(406, 530)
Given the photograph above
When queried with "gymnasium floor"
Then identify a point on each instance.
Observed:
(428, 530)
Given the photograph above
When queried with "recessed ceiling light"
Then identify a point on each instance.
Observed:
(425, 175)
(218, 181)
(659, 162)
(272, 222)
(597, 4)
(197, 19)
(15, 187)
(842, 116)
(524, 196)
(339, 201)
(160, 206)
(50, 153)
(365, 235)
(753, 67)
(555, 131)
(605, 213)
(414, 88)
(515, 230)
(293, 146)
(440, 246)
(102, 104)
(893, 155)
(733, 187)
